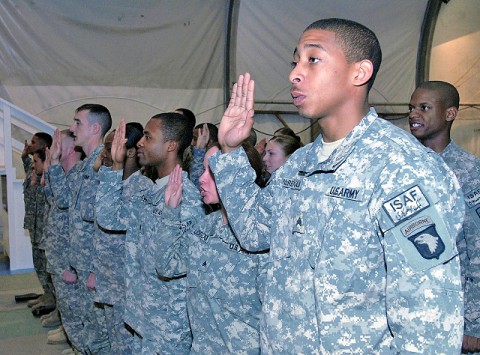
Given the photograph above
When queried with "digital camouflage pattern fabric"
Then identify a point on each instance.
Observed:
(155, 306)
(466, 167)
(362, 245)
(224, 283)
(196, 166)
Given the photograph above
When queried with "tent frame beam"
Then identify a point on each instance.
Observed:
(426, 40)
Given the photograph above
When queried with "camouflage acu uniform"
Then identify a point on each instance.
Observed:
(109, 263)
(35, 204)
(223, 283)
(467, 169)
(155, 307)
(187, 158)
(58, 242)
(28, 193)
(196, 168)
(362, 245)
(56, 248)
(82, 189)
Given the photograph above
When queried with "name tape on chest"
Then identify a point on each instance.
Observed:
(201, 235)
(406, 204)
(347, 193)
(294, 184)
(473, 198)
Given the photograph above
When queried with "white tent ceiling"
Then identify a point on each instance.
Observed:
(143, 57)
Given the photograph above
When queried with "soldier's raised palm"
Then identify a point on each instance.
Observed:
(237, 121)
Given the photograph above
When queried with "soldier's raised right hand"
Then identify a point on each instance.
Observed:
(119, 147)
(237, 121)
(56, 148)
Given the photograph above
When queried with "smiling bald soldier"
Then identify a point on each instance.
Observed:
(433, 109)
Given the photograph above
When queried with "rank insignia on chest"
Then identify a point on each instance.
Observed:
(299, 227)
(406, 204)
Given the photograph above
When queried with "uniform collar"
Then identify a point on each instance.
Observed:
(90, 160)
(156, 194)
(450, 146)
(339, 155)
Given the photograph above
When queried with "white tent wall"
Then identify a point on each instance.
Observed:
(455, 58)
(268, 31)
(139, 58)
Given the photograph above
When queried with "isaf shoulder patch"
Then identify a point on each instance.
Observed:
(472, 201)
(473, 198)
(406, 204)
(419, 229)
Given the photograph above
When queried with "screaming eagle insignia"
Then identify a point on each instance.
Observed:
(428, 243)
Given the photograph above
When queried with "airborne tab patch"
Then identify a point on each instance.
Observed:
(406, 204)
(424, 239)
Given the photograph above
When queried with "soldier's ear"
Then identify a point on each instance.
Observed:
(451, 113)
(362, 72)
(131, 152)
(172, 145)
(95, 128)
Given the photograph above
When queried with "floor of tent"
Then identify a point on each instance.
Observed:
(20, 332)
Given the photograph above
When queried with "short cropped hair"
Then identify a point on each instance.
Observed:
(189, 114)
(449, 94)
(357, 41)
(177, 127)
(45, 138)
(133, 133)
(98, 114)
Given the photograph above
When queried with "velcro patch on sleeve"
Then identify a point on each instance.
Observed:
(425, 240)
(347, 193)
(473, 198)
(406, 205)
(474, 214)
(472, 201)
